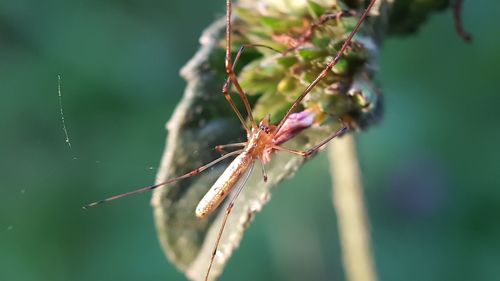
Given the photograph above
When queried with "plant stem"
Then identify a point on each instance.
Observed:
(348, 202)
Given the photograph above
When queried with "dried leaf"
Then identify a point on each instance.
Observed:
(202, 120)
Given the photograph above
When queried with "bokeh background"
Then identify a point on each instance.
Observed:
(430, 168)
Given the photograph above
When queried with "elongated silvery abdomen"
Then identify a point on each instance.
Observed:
(235, 175)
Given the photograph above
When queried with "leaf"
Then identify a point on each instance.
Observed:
(277, 24)
(315, 9)
(202, 120)
(286, 61)
(260, 76)
(310, 54)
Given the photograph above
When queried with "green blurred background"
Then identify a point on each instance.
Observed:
(430, 168)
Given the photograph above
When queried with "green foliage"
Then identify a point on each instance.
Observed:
(279, 79)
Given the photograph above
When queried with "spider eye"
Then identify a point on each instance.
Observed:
(265, 129)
